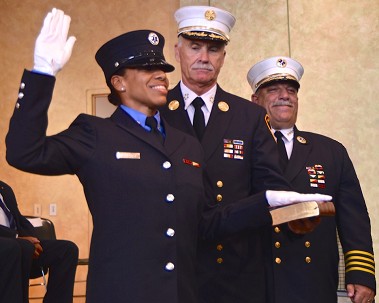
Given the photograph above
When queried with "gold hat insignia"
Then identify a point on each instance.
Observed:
(301, 140)
(173, 105)
(210, 15)
(223, 106)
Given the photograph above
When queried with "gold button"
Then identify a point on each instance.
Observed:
(307, 244)
(220, 184)
(308, 259)
(277, 244)
(277, 229)
(219, 198)
(278, 260)
(220, 247)
(220, 260)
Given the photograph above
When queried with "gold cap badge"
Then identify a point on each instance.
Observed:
(210, 15)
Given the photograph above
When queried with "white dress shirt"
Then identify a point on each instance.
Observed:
(189, 96)
(3, 217)
(287, 138)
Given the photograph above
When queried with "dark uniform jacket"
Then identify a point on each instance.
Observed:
(241, 159)
(306, 266)
(59, 256)
(146, 200)
(24, 227)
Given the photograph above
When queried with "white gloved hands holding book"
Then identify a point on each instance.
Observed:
(53, 49)
(277, 198)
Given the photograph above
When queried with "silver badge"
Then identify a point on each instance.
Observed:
(153, 38)
(281, 63)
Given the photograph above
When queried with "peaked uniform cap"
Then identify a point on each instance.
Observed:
(204, 23)
(275, 69)
(136, 49)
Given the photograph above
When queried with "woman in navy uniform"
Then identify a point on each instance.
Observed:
(305, 253)
(145, 196)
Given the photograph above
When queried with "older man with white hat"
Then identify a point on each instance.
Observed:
(306, 264)
(241, 156)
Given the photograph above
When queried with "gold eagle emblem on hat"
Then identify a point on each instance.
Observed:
(210, 15)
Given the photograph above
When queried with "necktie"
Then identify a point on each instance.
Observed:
(12, 222)
(152, 123)
(198, 118)
(282, 150)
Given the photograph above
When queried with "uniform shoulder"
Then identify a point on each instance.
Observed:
(5, 185)
(320, 138)
(238, 101)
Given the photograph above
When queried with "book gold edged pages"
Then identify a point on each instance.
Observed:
(301, 210)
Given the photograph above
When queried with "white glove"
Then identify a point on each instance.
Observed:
(53, 49)
(280, 198)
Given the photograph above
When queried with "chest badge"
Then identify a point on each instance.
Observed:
(223, 106)
(173, 105)
(301, 140)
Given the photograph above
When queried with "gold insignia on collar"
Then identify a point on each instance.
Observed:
(173, 105)
(223, 106)
(210, 15)
(301, 140)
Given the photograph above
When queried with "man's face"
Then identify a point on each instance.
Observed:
(281, 103)
(200, 62)
(145, 90)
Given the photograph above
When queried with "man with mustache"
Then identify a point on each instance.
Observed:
(241, 156)
(306, 264)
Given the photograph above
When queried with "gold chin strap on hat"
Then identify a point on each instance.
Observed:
(201, 31)
(274, 77)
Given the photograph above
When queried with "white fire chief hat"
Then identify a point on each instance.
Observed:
(275, 69)
(204, 23)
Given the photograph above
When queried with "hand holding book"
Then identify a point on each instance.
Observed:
(280, 198)
(302, 211)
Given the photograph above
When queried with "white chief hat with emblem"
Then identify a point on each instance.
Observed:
(204, 22)
(275, 69)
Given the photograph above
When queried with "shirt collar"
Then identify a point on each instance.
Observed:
(288, 133)
(189, 96)
(140, 118)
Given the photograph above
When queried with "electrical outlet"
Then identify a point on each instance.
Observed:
(37, 210)
(53, 209)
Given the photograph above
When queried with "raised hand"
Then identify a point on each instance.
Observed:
(52, 48)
